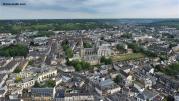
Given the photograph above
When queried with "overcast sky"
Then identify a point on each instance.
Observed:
(70, 9)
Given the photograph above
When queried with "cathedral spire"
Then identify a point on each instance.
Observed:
(81, 43)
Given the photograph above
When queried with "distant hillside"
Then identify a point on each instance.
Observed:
(169, 22)
(17, 26)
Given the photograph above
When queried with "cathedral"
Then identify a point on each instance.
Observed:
(93, 55)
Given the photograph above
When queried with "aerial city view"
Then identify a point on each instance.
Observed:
(89, 50)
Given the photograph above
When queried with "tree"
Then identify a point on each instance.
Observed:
(44, 33)
(86, 66)
(37, 85)
(138, 49)
(87, 45)
(69, 53)
(30, 62)
(172, 45)
(17, 70)
(14, 50)
(172, 69)
(106, 61)
(65, 42)
(67, 49)
(18, 79)
(119, 47)
(78, 67)
(169, 98)
(118, 79)
(50, 83)
(127, 35)
(102, 60)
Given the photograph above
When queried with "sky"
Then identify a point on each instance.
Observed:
(89, 9)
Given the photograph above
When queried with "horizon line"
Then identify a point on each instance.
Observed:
(89, 19)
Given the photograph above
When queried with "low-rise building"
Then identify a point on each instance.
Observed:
(46, 74)
(42, 94)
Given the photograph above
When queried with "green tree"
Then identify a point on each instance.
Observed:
(78, 67)
(87, 45)
(106, 61)
(67, 49)
(127, 35)
(102, 60)
(14, 50)
(37, 85)
(30, 62)
(118, 46)
(138, 49)
(172, 69)
(18, 79)
(69, 53)
(118, 79)
(17, 70)
(50, 83)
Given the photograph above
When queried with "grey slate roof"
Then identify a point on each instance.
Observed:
(42, 91)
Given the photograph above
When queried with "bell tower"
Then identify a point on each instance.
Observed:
(81, 48)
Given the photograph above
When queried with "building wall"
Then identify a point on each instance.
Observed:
(28, 84)
(46, 75)
(104, 51)
(79, 98)
(114, 90)
(176, 98)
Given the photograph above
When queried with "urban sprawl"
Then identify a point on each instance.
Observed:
(125, 62)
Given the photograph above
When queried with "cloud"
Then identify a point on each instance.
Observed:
(43, 9)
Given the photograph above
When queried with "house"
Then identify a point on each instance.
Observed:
(116, 67)
(127, 78)
(176, 97)
(148, 69)
(114, 89)
(126, 68)
(42, 94)
(113, 75)
(3, 78)
(147, 95)
(46, 74)
(139, 86)
(15, 90)
(106, 83)
(27, 82)
(142, 38)
(14, 97)
(148, 83)
(2, 92)
(40, 40)
(66, 68)
(167, 80)
(107, 87)
(65, 78)
(78, 97)
(10, 67)
(61, 95)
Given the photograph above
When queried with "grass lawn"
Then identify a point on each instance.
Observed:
(126, 57)
(172, 69)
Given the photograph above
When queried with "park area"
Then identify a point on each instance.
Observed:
(126, 57)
